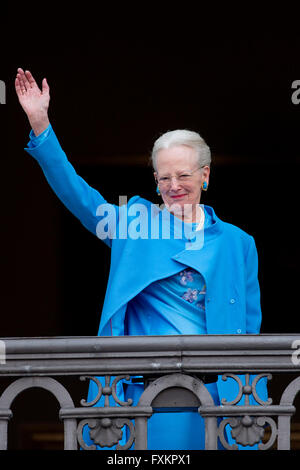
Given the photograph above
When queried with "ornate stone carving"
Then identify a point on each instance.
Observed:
(246, 431)
(247, 389)
(107, 390)
(106, 432)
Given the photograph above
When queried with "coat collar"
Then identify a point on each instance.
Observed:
(199, 253)
(178, 227)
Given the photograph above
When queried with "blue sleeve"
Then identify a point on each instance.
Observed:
(82, 200)
(35, 141)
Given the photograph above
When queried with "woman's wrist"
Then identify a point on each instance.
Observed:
(39, 122)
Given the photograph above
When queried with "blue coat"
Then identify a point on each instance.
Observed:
(227, 259)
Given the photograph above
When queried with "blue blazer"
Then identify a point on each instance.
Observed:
(227, 258)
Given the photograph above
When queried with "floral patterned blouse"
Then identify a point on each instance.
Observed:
(175, 303)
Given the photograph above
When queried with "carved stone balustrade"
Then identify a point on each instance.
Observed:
(175, 370)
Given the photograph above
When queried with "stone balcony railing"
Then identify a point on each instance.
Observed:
(174, 369)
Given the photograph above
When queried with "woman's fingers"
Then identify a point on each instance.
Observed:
(21, 81)
(21, 77)
(29, 79)
(45, 86)
(20, 88)
(26, 80)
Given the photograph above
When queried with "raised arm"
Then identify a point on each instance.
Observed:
(85, 202)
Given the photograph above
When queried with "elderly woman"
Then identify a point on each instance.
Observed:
(176, 270)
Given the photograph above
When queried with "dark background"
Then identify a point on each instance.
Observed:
(117, 82)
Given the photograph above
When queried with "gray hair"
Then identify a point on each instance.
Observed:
(182, 137)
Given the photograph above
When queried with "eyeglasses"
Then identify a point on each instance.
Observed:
(165, 181)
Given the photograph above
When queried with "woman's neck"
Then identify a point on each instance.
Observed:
(188, 214)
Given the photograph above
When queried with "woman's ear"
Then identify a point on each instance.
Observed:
(206, 173)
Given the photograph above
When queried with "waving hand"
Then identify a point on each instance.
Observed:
(35, 102)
